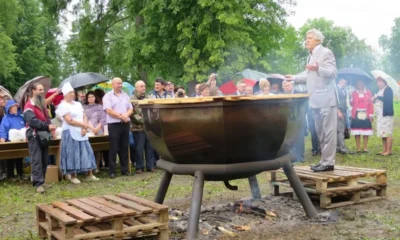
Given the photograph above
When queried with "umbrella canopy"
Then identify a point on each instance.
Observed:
(5, 92)
(228, 88)
(57, 99)
(390, 81)
(106, 86)
(352, 75)
(254, 75)
(249, 82)
(23, 92)
(81, 80)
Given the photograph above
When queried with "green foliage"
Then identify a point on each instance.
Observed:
(180, 40)
(197, 37)
(30, 45)
(289, 57)
(8, 25)
(391, 46)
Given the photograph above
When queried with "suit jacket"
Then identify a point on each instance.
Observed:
(387, 100)
(321, 84)
(342, 99)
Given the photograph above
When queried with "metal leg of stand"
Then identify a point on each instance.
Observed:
(195, 205)
(162, 190)
(298, 188)
(255, 190)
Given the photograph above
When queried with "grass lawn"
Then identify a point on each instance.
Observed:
(18, 199)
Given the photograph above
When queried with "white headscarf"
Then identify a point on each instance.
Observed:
(67, 88)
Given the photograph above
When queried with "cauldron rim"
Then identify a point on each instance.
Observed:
(183, 101)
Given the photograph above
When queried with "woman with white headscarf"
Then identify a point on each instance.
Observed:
(76, 153)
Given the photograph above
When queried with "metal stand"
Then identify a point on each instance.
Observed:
(299, 190)
(255, 190)
(195, 205)
(203, 172)
(162, 190)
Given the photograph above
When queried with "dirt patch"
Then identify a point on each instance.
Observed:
(372, 220)
(255, 216)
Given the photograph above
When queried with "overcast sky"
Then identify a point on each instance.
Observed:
(369, 19)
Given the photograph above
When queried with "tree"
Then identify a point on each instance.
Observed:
(289, 57)
(8, 26)
(180, 40)
(189, 39)
(391, 47)
(34, 49)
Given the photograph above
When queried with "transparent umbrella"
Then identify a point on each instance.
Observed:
(390, 81)
(5, 92)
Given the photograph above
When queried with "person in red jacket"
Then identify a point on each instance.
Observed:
(361, 115)
(37, 119)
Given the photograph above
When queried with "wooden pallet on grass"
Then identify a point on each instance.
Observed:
(341, 187)
(107, 217)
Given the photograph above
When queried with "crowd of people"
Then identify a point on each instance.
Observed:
(95, 113)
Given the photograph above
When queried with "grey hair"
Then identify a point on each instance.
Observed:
(317, 34)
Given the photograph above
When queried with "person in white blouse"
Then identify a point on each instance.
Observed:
(76, 153)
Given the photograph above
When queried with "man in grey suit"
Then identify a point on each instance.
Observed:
(320, 77)
(342, 115)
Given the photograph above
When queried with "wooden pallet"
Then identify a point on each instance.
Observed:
(118, 216)
(341, 187)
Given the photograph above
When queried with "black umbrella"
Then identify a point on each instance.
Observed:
(81, 80)
(352, 75)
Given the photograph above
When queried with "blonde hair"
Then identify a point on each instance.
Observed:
(202, 87)
(264, 83)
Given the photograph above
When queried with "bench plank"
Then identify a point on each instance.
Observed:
(73, 211)
(144, 202)
(126, 211)
(129, 204)
(57, 214)
(89, 209)
(102, 207)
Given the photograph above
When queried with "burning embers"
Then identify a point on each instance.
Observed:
(248, 207)
(227, 219)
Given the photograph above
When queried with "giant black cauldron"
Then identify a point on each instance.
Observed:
(225, 138)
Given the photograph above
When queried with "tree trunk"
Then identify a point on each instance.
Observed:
(139, 21)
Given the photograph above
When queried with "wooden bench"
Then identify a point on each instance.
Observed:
(106, 217)
(11, 150)
(341, 187)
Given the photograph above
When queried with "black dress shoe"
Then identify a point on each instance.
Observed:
(323, 168)
(112, 175)
(315, 165)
